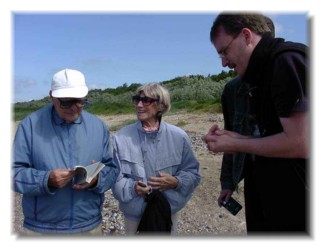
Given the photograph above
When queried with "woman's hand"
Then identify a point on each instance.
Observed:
(164, 182)
(142, 189)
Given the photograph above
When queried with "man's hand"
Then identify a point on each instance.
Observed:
(221, 140)
(83, 186)
(224, 196)
(58, 178)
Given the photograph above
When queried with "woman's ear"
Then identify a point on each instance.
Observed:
(161, 108)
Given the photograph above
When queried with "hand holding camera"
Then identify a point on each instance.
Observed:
(232, 206)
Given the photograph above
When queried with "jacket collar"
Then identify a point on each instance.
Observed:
(260, 58)
(140, 128)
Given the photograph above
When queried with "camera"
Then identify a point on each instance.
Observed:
(232, 206)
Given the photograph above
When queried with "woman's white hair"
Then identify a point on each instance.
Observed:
(157, 91)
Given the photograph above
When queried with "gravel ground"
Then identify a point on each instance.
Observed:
(201, 216)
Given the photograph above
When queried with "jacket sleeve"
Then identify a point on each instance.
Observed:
(188, 176)
(226, 179)
(123, 189)
(26, 178)
(108, 175)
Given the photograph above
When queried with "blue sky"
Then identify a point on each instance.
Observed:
(28, 63)
(116, 48)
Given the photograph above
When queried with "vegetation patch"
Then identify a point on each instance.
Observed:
(194, 93)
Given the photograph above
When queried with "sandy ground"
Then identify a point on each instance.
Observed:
(201, 216)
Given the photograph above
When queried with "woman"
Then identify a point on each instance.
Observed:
(153, 155)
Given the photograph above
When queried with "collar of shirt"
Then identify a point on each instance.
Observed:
(140, 128)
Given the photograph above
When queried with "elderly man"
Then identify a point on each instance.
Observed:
(47, 146)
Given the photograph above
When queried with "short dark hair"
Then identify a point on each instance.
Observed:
(270, 25)
(233, 24)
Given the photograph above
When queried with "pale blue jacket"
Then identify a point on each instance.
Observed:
(171, 153)
(44, 142)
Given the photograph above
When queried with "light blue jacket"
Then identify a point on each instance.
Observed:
(172, 154)
(44, 142)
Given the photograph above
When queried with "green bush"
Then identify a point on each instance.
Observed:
(110, 109)
(194, 93)
(20, 113)
(206, 106)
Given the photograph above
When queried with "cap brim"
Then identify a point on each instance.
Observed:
(78, 92)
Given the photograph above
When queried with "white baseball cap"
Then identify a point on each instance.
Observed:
(69, 83)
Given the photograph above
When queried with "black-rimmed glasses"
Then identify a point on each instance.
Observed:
(146, 101)
(65, 104)
(223, 53)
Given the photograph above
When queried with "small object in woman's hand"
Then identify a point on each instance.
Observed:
(142, 184)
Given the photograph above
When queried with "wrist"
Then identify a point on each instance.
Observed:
(177, 182)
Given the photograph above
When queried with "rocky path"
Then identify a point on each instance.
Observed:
(201, 216)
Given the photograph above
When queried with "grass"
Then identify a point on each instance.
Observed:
(20, 113)
(205, 106)
(191, 106)
(182, 123)
(110, 109)
(122, 124)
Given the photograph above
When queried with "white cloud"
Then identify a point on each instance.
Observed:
(21, 84)
(97, 86)
(279, 29)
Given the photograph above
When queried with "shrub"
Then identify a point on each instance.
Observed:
(190, 93)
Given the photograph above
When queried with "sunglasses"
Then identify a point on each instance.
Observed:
(146, 101)
(69, 103)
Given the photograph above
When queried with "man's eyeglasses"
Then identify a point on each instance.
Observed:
(146, 101)
(65, 104)
(223, 53)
